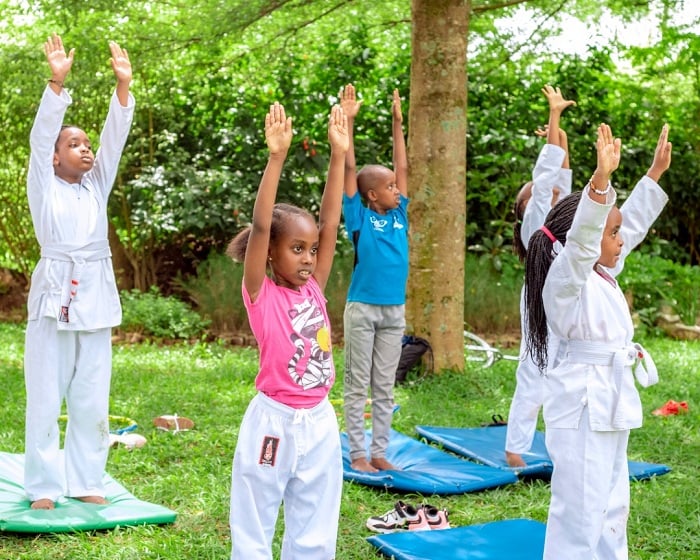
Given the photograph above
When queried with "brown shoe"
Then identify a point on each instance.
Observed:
(173, 423)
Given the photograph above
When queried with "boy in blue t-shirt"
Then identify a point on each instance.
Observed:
(374, 318)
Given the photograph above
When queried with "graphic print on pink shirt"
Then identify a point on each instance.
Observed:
(308, 323)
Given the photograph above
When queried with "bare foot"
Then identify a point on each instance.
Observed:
(515, 460)
(43, 503)
(362, 465)
(380, 463)
(98, 500)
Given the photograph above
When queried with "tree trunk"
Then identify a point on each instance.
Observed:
(437, 148)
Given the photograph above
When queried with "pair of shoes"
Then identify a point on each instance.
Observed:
(671, 408)
(404, 516)
(173, 423)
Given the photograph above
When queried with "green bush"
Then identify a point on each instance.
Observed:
(153, 314)
(216, 293)
(491, 295)
(653, 282)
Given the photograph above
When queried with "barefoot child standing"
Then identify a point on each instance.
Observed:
(73, 299)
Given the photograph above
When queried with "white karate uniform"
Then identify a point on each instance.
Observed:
(70, 359)
(527, 399)
(290, 467)
(590, 398)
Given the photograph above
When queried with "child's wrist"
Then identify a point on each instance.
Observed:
(598, 185)
(655, 174)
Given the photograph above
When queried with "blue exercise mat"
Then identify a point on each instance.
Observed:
(70, 515)
(425, 469)
(512, 539)
(486, 445)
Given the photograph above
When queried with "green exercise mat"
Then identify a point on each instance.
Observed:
(70, 515)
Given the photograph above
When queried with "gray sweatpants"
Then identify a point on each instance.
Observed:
(372, 352)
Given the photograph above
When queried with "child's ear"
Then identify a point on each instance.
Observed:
(371, 195)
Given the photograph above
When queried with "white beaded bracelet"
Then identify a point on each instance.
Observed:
(596, 191)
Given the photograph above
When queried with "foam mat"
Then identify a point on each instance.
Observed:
(511, 539)
(486, 445)
(425, 469)
(123, 509)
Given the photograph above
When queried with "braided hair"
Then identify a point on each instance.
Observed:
(540, 254)
(281, 213)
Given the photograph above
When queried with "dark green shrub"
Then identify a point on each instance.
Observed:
(492, 296)
(653, 282)
(153, 314)
(216, 293)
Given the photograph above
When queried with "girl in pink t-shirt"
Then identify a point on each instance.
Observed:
(288, 447)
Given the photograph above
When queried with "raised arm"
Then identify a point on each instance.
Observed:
(645, 203)
(557, 104)
(121, 65)
(608, 158)
(331, 202)
(662, 156)
(399, 143)
(278, 135)
(350, 106)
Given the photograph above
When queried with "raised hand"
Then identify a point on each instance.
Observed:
(608, 150)
(348, 101)
(278, 130)
(396, 107)
(59, 63)
(556, 99)
(662, 156)
(542, 131)
(121, 65)
(338, 130)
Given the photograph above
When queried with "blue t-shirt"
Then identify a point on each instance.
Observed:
(381, 249)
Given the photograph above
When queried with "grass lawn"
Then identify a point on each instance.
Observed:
(189, 472)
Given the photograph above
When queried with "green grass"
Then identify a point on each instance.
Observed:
(189, 472)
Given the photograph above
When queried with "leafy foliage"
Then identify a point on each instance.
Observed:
(193, 161)
(164, 317)
(655, 282)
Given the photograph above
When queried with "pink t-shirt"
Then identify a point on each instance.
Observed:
(294, 340)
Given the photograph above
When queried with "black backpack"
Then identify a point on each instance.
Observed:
(413, 349)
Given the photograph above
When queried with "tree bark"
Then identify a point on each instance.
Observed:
(437, 147)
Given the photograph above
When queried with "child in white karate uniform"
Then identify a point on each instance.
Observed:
(73, 299)
(590, 400)
(551, 180)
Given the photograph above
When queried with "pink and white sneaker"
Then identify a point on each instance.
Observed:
(436, 518)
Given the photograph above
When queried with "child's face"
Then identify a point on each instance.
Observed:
(611, 244)
(293, 256)
(384, 195)
(73, 156)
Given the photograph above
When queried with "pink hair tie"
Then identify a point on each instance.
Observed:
(549, 234)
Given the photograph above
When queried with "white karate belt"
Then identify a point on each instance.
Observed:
(601, 354)
(95, 251)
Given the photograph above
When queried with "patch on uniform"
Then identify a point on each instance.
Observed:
(63, 314)
(268, 451)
